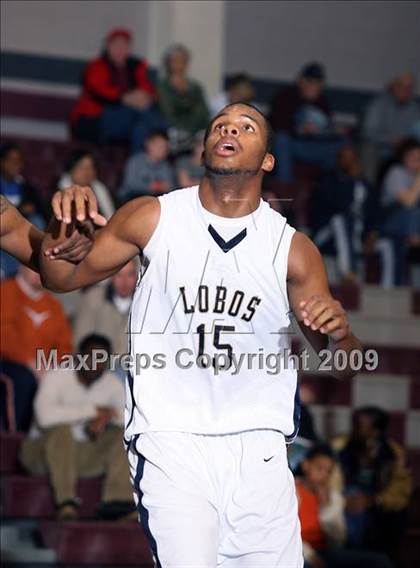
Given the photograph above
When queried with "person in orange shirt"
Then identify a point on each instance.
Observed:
(31, 318)
(321, 515)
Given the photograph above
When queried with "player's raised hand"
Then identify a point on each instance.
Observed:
(326, 315)
(76, 203)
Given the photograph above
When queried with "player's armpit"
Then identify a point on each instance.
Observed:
(127, 232)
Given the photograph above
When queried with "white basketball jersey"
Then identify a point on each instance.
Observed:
(209, 317)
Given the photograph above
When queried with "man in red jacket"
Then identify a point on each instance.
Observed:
(117, 100)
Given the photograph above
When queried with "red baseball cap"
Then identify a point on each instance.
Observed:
(119, 32)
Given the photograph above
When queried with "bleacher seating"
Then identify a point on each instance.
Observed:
(44, 162)
(83, 542)
(97, 542)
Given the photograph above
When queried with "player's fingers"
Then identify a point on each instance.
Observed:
(56, 205)
(315, 311)
(303, 303)
(67, 205)
(309, 303)
(80, 203)
(76, 254)
(70, 251)
(333, 325)
(67, 244)
(100, 220)
(323, 318)
(92, 202)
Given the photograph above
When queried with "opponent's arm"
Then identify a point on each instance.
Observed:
(321, 317)
(18, 236)
(127, 232)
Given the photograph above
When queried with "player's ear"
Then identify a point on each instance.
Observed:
(268, 162)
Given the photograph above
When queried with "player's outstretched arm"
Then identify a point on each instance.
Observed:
(321, 318)
(125, 235)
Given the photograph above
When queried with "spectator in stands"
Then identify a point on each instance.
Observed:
(301, 116)
(377, 484)
(390, 117)
(239, 89)
(401, 203)
(342, 210)
(321, 514)
(31, 319)
(181, 99)
(81, 170)
(117, 103)
(149, 172)
(104, 309)
(22, 194)
(78, 432)
(189, 168)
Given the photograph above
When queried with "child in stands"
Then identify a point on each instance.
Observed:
(321, 514)
(149, 172)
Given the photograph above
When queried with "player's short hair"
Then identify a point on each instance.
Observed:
(268, 127)
(320, 450)
(94, 339)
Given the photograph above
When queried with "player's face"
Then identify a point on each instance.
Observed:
(237, 142)
(318, 470)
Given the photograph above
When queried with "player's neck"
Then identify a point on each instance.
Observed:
(230, 196)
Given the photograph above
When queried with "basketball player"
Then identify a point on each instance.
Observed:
(221, 274)
(22, 240)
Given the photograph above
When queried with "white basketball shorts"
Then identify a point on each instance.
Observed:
(207, 501)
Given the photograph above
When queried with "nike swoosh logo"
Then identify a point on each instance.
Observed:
(268, 459)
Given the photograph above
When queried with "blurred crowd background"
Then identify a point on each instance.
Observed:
(117, 96)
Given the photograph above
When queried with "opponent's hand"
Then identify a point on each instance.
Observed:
(326, 315)
(76, 203)
(77, 246)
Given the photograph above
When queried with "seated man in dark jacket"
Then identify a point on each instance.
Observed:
(118, 99)
(301, 117)
(342, 211)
